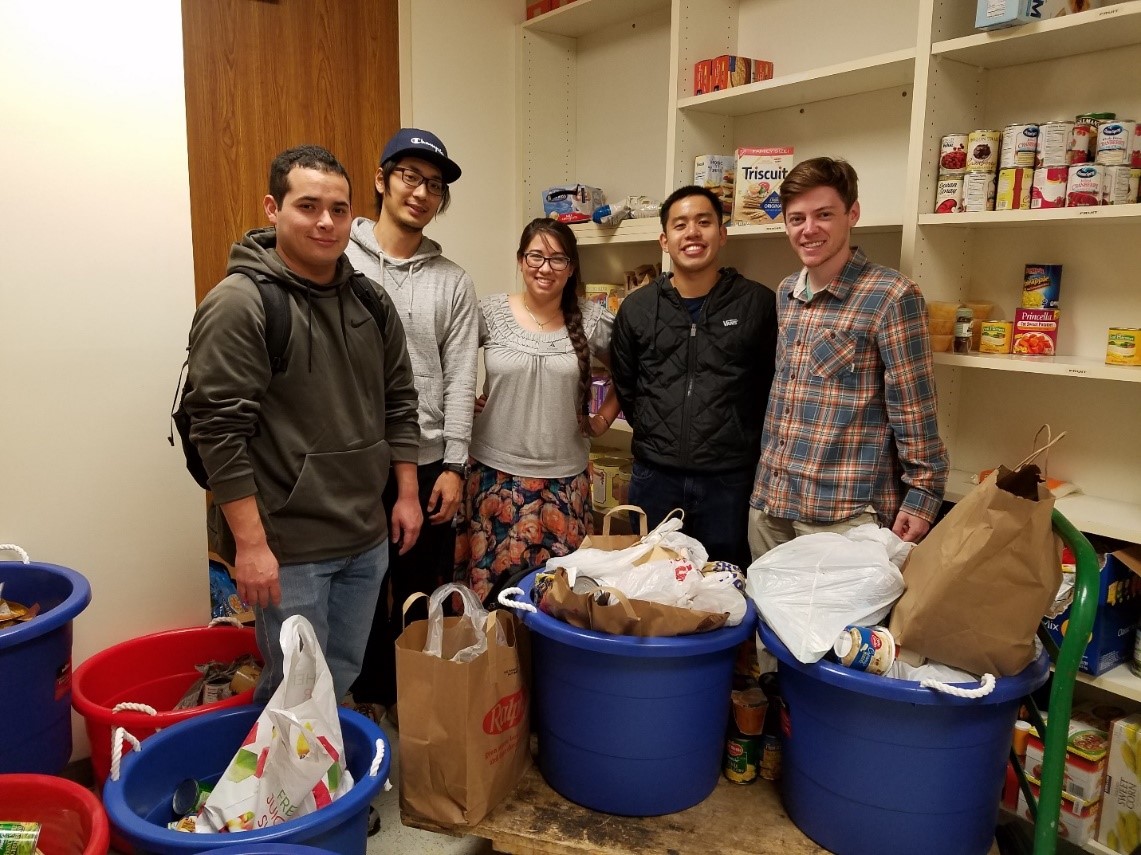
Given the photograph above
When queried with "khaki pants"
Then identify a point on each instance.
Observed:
(767, 532)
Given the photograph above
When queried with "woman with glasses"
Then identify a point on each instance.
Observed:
(528, 494)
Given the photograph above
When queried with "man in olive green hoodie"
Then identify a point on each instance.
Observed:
(297, 459)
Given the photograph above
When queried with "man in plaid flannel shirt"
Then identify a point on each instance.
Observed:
(850, 434)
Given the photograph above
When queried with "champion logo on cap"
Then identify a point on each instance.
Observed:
(435, 148)
(417, 142)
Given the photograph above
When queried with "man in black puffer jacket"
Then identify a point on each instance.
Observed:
(692, 359)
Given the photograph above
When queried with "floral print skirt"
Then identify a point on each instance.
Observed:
(509, 523)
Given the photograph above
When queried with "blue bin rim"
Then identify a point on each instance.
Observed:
(135, 828)
(53, 618)
(907, 691)
(637, 646)
(272, 849)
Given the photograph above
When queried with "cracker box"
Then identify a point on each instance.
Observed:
(1121, 803)
(538, 7)
(762, 70)
(716, 172)
(1076, 824)
(1118, 612)
(703, 77)
(760, 172)
(1041, 286)
(1035, 332)
(730, 71)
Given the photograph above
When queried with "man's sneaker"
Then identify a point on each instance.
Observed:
(373, 821)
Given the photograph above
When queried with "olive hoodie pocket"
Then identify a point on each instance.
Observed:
(834, 357)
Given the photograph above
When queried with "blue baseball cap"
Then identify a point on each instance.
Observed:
(414, 142)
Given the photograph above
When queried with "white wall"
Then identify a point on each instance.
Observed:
(96, 295)
(458, 80)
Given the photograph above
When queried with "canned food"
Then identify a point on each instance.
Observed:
(604, 472)
(19, 837)
(978, 191)
(190, 796)
(1115, 142)
(1013, 193)
(1115, 189)
(949, 194)
(996, 337)
(982, 150)
(1135, 183)
(742, 758)
(772, 750)
(866, 648)
(749, 708)
(1054, 140)
(1135, 157)
(1019, 146)
(1122, 349)
(1048, 189)
(1083, 187)
(953, 154)
(1083, 140)
(1135, 665)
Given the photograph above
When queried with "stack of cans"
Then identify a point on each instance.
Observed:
(1093, 160)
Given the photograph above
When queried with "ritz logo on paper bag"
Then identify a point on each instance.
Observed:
(507, 713)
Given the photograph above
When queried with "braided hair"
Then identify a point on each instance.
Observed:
(561, 234)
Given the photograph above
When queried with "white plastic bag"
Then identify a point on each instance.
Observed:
(470, 629)
(663, 567)
(809, 589)
(292, 762)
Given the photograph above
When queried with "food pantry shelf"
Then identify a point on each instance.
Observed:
(867, 225)
(1088, 513)
(1097, 848)
(1069, 35)
(640, 230)
(834, 81)
(588, 16)
(1061, 366)
(1101, 213)
(1119, 681)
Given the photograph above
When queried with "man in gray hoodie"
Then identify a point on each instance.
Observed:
(297, 457)
(437, 304)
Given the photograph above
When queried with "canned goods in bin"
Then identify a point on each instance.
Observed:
(982, 150)
(978, 191)
(953, 154)
(1083, 188)
(1055, 140)
(1048, 190)
(1013, 193)
(1115, 142)
(1019, 146)
(949, 194)
(866, 648)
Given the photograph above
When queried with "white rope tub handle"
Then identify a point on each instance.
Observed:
(117, 749)
(11, 547)
(133, 707)
(518, 605)
(986, 686)
(375, 767)
(227, 619)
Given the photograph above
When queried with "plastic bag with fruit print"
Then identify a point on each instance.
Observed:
(292, 761)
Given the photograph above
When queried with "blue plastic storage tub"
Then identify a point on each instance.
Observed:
(138, 804)
(35, 667)
(876, 766)
(273, 849)
(631, 726)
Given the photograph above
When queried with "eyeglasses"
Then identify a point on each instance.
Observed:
(414, 179)
(536, 260)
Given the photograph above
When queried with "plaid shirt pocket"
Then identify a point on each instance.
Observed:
(834, 356)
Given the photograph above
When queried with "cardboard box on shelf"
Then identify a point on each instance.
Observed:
(760, 172)
(537, 7)
(1121, 803)
(1076, 824)
(1035, 332)
(1118, 612)
(703, 77)
(716, 172)
(762, 70)
(730, 71)
(1083, 779)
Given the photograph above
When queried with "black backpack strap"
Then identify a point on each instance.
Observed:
(362, 286)
(278, 320)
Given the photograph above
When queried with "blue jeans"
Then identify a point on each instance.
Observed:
(716, 506)
(339, 598)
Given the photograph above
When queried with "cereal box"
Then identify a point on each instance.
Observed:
(760, 172)
(1121, 802)
(716, 172)
(730, 71)
(1035, 332)
(1041, 286)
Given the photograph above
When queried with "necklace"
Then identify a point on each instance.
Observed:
(541, 324)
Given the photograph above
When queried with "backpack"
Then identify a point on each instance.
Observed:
(278, 328)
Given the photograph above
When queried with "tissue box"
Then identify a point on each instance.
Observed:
(994, 14)
(572, 203)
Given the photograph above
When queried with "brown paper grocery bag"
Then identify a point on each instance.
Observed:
(609, 541)
(619, 615)
(464, 727)
(979, 583)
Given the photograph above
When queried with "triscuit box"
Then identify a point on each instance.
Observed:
(1121, 803)
(716, 172)
(730, 71)
(760, 172)
(1076, 824)
(1118, 611)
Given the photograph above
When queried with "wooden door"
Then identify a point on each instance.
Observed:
(264, 75)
